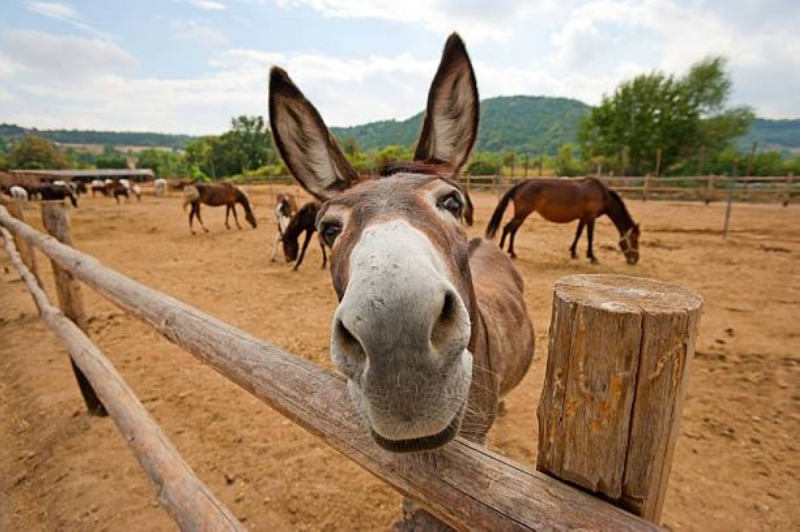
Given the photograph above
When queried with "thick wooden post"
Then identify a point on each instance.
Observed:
(645, 186)
(618, 365)
(70, 300)
(789, 183)
(710, 190)
(26, 252)
(658, 162)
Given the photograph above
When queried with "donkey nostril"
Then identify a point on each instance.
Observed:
(348, 347)
(447, 329)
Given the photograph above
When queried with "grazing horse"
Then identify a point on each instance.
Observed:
(431, 329)
(57, 192)
(285, 209)
(305, 221)
(565, 200)
(216, 195)
(18, 193)
(121, 191)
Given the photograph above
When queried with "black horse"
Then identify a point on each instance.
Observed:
(55, 192)
(304, 220)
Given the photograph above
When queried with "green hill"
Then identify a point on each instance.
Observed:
(524, 124)
(110, 138)
(772, 134)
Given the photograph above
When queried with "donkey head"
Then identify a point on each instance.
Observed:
(402, 333)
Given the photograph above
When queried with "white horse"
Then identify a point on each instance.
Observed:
(137, 191)
(160, 187)
(19, 193)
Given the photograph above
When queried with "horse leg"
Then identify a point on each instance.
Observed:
(235, 217)
(590, 236)
(191, 219)
(514, 226)
(275, 247)
(505, 233)
(302, 251)
(324, 254)
(573, 249)
(227, 215)
(197, 213)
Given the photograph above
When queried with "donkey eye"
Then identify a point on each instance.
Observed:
(451, 203)
(329, 232)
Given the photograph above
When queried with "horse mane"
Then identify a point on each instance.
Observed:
(618, 212)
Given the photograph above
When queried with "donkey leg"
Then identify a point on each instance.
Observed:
(590, 236)
(573, 249)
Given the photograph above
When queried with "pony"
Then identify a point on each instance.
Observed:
(562, 201)
(57, 192)
(285, 209)
(120, 191)
(18, 193)
(303, 221)
(215, 195)
(431, 330)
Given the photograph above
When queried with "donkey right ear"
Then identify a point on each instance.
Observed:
(305, 143)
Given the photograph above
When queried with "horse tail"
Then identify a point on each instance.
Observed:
(497, 216)
(190, 195)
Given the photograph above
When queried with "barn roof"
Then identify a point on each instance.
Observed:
(88, 173)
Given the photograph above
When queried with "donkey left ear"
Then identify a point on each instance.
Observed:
(451, 118)
(304, 141)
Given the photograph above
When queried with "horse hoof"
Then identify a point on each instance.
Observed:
(573, 255)
(594, 261)
(513, 256)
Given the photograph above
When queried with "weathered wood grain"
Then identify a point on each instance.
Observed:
(182, 494)
(70, 300)
(618, 364)
(465, 485)
(25, 250)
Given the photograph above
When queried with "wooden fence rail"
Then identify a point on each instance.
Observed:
(187, 499)
(466, 485)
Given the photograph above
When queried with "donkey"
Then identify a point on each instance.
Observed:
(431, 329)
(285, 209)
(215, 195)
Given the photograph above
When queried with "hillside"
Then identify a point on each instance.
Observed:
(110, 138)
(524, 124)
(772, 134)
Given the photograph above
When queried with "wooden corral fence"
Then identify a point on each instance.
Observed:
(696, 188)
(620, 352)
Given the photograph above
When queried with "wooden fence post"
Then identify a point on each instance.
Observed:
(70, 300)
(645, 186)
(618, 365)
(789, 183)
(26, 251)
(710, 189)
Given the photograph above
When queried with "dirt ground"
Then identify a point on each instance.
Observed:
(736, 461)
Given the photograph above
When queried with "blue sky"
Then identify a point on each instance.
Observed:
(187, 66)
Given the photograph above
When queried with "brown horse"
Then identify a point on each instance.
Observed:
(431, 330)
(216, 195)
(285, 209)
(302, 222)
(565, 200)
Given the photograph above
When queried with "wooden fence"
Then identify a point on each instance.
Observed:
(608, 422)
(697, 188)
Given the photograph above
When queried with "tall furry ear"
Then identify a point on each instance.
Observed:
(451, 118)
(305, 143)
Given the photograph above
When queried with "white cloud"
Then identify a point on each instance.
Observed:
(64, 58)
(476, 20)
(66, 13)
(208, 5)
(198, 32)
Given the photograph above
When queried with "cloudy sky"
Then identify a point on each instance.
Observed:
(187, 66)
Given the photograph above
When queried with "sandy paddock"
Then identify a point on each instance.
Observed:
(736, 461)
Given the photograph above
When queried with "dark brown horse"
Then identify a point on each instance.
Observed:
(57, 192)
(302, 222)
(285, 209)
(216, 195)
(565, 200)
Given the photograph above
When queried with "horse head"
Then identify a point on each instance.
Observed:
(403, 329)
(629, 244)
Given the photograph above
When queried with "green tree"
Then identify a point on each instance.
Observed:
(163, 163)
(566, 163)
(655, 111)
(33, 152)
(112, 162)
